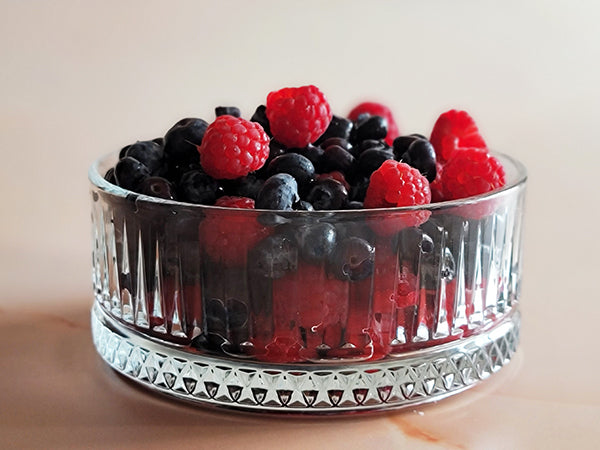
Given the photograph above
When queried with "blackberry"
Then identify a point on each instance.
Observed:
(315, 241)
(339, 127)
(129, 173)
(198, 187)
(296, 165)
(353, 259)
(421, 156)
(273, 257)
(228, 111)
(279, 192)
(148, 153)
(260, 117)
(157, 187)
(327, 194)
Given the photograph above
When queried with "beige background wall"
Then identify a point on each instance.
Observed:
(80, 79)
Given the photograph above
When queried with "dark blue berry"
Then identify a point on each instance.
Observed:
(401, 144)
(228, 111)
(157, 187)
(160, 141)
(354, 205)
(369, 144)
(339, 127)
(260, 117)
(296, 165)
(129, 173)
(110, 176)
(313, 153)
(315, 241)
(273, 257)
(123, 151)
(198, 187)
(372, 127)
(303, 205)
(358, 190)
(148, 153)
(279, 192)
(421, 156)
(337, 158)
(344, 143)
(370, 160)
(275, 149)
(352, 259)
(327, 194)
(182, 141)
(248, 186)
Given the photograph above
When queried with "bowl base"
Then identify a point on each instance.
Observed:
(207, 380)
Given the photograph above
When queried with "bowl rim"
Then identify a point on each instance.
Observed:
(519, 181)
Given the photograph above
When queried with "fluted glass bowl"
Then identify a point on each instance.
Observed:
(251, 309)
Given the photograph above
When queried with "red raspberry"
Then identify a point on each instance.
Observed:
(227, 236)
(452, 131)
(235, 202)
(437, 194)
(397, 184)
(298, 116)
(233, 147)
(377, 109)
(472, 171)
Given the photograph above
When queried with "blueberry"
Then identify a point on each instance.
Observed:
(355, 205)
(373, 127)
(273, 257)
(157, 187)
(327, 194)
(303, 205)
(296, 165)
(337, 158)
(182, 139)
(352, 259)
(369, 144)
(248, 186)
(198, 187)
(148, 153)
(260, 117)
(412, 243)
(344, 143)
(421, 156)
(279, 192)
(315, 241)
(123, 151)
(110, 176)
(227, 111)
(313, 153)
(129, 173)
(237, 313)
(401, 144)
(339, 127)
(160, 141)
(358, 190)
(275, 149)
(176, 172)
(370, 160)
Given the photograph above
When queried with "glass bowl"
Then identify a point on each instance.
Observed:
(306, 312)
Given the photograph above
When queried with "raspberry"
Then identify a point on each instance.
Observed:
(227, 239)
(298, 116)
(397, 184)
(472, 171)
(452, 131)
(377, 109)
(231, 201)
(233, 147)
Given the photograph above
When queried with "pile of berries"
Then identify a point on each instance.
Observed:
(294, 154)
